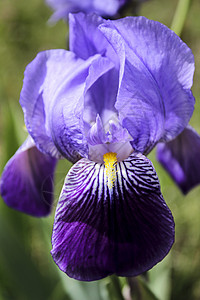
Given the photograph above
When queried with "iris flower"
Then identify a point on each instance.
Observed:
(123, 87)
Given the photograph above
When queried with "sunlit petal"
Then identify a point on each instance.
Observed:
(154, 99)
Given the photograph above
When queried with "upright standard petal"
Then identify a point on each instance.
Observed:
(158, 60)
(67, 122)
(180, 158)
(43, 78)
(85, 38)
(100, 230)
(100, 99)
(27, 181)
(54, 82)
(101, 7)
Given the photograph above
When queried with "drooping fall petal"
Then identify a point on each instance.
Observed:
(100, 230)
(180, 158)
(27, 181)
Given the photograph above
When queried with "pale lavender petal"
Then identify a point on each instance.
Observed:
(98, 231)
(102, 7)
(154, 100)
(68, 122)
(97, 134)
(85, 38)
(181, 158)
(114, 134)
(99, 100)
(53, 85)
(27, 181)
(101, 97)
(43, 78)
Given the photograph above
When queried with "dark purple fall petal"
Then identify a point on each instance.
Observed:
(154, 100)
(27, 181)
(180, 158)
(99, 231)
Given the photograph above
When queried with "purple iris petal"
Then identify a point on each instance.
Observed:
(68, 126)
(154, 100)
(180, 158)
(97, 134)
(38, 93)
(101, 97)
(85, 45)
(27, 181)
(54, 83)
(115, 134)
(99, 231)
(101, 7)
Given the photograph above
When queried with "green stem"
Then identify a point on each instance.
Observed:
(135, 291)
(180, 16)
(117, 287)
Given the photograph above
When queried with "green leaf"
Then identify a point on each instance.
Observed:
(22, 274)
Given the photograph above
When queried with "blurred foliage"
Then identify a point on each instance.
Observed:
(27, 270)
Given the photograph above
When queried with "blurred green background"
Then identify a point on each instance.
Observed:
(27, 270)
